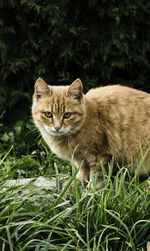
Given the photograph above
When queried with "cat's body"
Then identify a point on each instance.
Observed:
(112, 121)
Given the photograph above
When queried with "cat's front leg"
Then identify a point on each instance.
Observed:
(83, 175)
(98, 168)
(96, 177)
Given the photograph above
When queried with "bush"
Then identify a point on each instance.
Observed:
(98, 41)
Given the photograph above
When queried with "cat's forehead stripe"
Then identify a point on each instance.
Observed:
(58, 104)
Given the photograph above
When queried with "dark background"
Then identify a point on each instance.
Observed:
(101, 42)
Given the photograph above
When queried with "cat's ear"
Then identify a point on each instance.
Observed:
(41, 89)
(76, 89)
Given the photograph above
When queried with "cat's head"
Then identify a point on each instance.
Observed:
(58, 110)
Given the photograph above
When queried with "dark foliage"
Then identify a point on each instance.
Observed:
(98, 41)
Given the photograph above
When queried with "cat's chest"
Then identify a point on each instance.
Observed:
(72, 150)
(68, 149)
(61, 149)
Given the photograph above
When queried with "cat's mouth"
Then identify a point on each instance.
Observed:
(53, 132)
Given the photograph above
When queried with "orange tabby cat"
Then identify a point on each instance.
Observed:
(111, 121)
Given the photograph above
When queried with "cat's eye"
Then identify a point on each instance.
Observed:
(67, 115)
(48, 114)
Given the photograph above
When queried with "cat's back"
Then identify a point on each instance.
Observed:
(114, 91)
(104, 91)
(121, 96)
(121, 104)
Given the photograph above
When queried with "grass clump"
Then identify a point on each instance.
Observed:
(116, 217)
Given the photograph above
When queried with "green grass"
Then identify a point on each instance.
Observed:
(116, 217)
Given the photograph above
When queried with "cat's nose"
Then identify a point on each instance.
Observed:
(57, 128)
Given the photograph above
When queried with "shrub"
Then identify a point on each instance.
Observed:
(99, 41)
